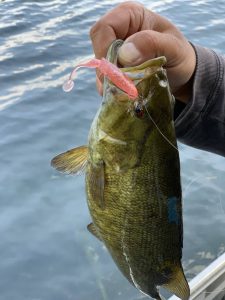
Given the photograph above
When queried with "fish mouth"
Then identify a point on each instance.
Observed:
(112, 56)
(135, 74)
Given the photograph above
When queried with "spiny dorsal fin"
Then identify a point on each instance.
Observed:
(92, 229)
(178, 284)
(72, 161)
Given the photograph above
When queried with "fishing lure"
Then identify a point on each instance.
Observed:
(111, 71)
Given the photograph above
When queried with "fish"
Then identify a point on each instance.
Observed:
(132, 178)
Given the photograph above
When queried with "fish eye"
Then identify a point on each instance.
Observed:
(139, 111)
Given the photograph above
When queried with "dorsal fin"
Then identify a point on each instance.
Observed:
(178, 284)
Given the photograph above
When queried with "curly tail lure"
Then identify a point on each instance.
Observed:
(111, 71)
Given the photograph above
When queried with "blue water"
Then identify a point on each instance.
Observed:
(46, 252)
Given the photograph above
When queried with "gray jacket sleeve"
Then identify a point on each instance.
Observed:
(201, 123)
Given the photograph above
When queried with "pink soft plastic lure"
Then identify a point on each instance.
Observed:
(111, 71)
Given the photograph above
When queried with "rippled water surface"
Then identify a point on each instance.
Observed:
(46, 251)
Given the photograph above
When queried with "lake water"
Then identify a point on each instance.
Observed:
(46, 252)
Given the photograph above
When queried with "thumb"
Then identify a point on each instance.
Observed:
(148, 44)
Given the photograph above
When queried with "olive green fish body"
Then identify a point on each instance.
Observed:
(138, 213)
(140, 221)
(133, 180)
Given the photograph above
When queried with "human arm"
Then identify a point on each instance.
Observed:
(201, 123)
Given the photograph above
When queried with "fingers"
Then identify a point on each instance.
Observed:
(147, 35)
(119, 23)
(115, 25)
(148, 44)
(123, 21)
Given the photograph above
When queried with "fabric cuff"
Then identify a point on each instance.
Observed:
(206, 83)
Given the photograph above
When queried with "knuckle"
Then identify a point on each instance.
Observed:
(129, 4)
(95, 28)
(147, 41)
(152, 39)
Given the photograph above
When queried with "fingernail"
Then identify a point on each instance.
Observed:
(128, 54)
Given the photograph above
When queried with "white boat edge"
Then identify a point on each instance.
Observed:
(210, 283)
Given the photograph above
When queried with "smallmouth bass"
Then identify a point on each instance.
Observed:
(132, 173)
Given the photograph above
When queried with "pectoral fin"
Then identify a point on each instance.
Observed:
(178, 284)
(73, 161)
(92, 229)
(96, 182)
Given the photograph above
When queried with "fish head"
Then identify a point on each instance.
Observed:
(124, 124)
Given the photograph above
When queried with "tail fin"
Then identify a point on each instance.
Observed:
(178, 284)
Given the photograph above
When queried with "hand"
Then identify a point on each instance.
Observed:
(147, 35)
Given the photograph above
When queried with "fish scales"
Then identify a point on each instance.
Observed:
(133, 180)
(126, 212)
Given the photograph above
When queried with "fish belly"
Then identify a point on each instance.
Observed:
(141, 224)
